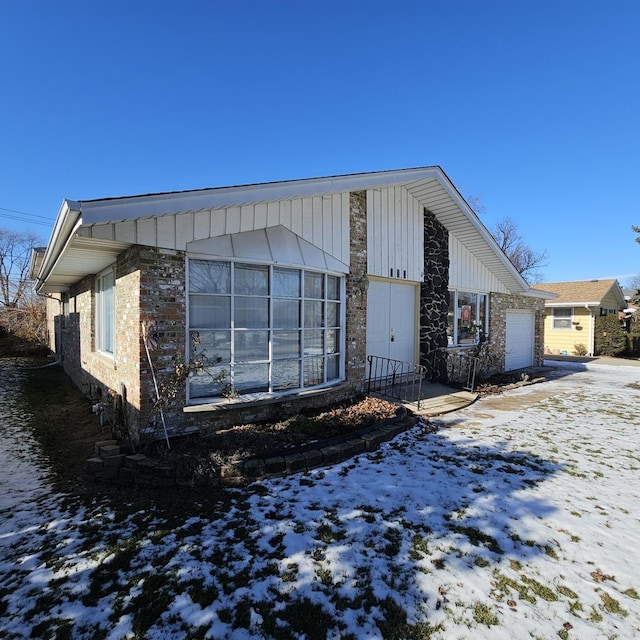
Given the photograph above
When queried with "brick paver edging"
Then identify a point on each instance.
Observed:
(112, 464)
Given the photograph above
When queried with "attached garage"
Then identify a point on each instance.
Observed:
(519, 349)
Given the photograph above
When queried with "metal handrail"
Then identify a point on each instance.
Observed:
(396, 379)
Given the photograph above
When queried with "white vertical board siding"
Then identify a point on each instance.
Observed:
(466, 272)
(320, 220)
(394, 234)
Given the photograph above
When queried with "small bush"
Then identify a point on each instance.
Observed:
(580, 349)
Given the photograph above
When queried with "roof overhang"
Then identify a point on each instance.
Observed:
(68, 257)
(72, 253)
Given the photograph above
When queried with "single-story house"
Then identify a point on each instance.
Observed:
(570, 322)
(286, 286)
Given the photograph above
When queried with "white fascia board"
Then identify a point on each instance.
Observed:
(539, 293)
(483, 231)
(115, 209)
(67, 222)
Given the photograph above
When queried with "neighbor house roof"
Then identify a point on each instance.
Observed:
(74, 252)
(581, 292)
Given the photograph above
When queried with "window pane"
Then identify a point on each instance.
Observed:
(562, 317)
(313, 313)
(313, 343)
(333, 340)
(286, 375)
(250, 280)
(313, 285)
(333, 288)
(108, 312)
(450, 318)
(333, 317)
(250, 378)
(209, 277)
(286, 283)
(209, 312)
(250, 345)
(286, 344)
(467, 315)
(286, 313)
(251, 313)
(209, 383)
(333, 367)
(483, 303)
(313, 371)
(215, 344)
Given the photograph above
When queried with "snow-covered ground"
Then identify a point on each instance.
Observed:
(517, 518)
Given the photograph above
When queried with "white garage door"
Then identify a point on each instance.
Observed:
(391, 329)
(519, 343)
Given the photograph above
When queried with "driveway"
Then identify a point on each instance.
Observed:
(516, 517)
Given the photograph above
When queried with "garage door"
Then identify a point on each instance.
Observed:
(519, 343)
(391, 329)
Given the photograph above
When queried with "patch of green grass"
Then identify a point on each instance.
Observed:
(419, 547)
(539, 589)
(504, 584)
(483, 614)
(478, 538)
(595, 616)
(550, 552)
(565, 591)
(631, 593)
(481, 562)
(611, 605)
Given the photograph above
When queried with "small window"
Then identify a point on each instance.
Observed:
(468, 318)
(105, 312)
(562, 317)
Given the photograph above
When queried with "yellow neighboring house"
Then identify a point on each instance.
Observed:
(569, 324)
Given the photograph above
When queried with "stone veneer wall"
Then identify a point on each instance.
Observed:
(499, 304)
(357, 284)
(434, 297)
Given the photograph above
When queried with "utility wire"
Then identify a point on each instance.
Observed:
(23, 216)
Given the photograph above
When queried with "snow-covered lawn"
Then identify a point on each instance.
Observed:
(517, 518)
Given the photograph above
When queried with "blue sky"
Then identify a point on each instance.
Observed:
(532, 107)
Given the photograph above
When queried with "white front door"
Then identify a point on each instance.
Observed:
(391, 320)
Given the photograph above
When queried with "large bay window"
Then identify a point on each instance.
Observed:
(468, 318)
(105, 312)
(270, 329)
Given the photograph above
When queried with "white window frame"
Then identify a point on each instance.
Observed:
(562, 322)
(306, 360)
(105, 337)
(482, 306)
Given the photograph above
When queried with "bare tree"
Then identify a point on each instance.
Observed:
(15, 252)
(522, 256)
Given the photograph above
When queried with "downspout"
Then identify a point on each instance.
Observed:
(591, 331)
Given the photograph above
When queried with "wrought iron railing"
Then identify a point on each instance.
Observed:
(396, 379)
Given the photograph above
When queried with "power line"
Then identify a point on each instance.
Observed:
(23, 216)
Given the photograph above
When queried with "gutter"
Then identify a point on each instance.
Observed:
(68, 220)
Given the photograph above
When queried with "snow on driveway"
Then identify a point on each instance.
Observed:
(517, 518)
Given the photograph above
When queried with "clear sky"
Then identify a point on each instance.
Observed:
(532, 107)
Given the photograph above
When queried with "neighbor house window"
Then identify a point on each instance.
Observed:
(468, 318)
(607, 311)
(562, 317)
(105, 312)
(270, 329)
